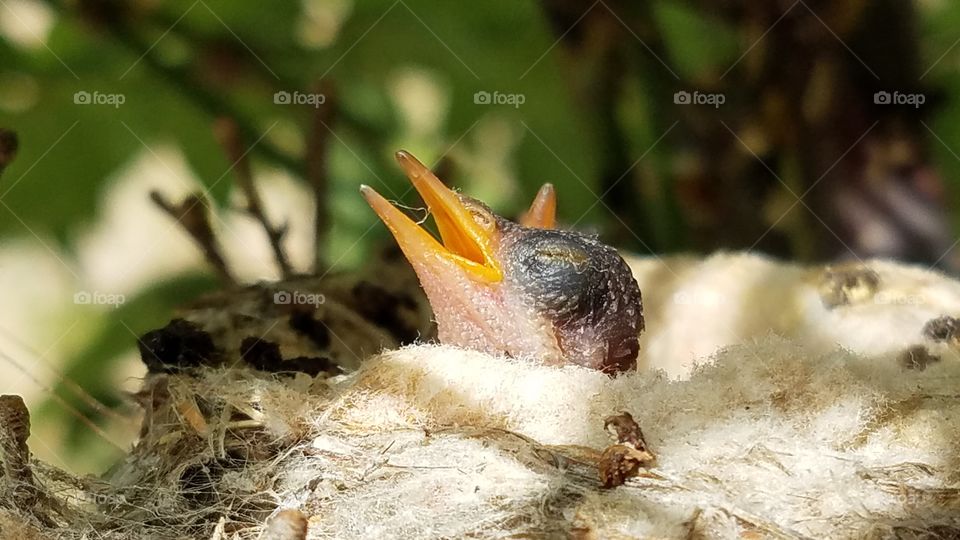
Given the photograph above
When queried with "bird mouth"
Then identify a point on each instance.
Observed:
(465, 242)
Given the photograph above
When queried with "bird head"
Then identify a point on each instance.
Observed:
(521, 289)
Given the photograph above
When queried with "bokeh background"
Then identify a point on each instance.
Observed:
(810, 130)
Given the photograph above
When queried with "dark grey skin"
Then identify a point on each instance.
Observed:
(583, 287)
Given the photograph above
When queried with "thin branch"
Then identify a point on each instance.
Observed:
(191, 214)
(184, 79)
(228, 134)
(318, 146)
(8, 148)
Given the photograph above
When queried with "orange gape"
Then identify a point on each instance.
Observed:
(526, 289)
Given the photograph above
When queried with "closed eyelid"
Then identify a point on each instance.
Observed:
(559, 253)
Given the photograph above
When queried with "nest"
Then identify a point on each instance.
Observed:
(766, 440)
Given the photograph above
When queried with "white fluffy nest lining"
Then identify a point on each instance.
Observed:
(436, 442)
(768, 439)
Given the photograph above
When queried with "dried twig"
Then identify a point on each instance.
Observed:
(228, 133)
(8, 148)
(191, 214)
(317, 165)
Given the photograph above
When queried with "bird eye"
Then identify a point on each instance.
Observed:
(480, 215)
(482, 218)
(553, 254)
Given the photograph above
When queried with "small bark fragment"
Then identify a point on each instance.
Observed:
(620, 462)
(626, 430)
(624, 459)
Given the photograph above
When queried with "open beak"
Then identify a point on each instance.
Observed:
(465, 242)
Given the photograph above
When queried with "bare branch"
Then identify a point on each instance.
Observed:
(317, 164)
(191, 214)
(228, 134)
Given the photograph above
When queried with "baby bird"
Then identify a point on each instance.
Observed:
(524, 289)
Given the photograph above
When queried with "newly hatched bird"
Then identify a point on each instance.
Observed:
(521, 289)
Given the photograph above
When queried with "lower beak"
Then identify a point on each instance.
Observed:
(465, 242)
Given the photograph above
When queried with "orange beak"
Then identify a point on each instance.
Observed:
(465, 242)
(543, 211)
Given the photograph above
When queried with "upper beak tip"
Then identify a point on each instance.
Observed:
(368, 193)
(411, 165)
